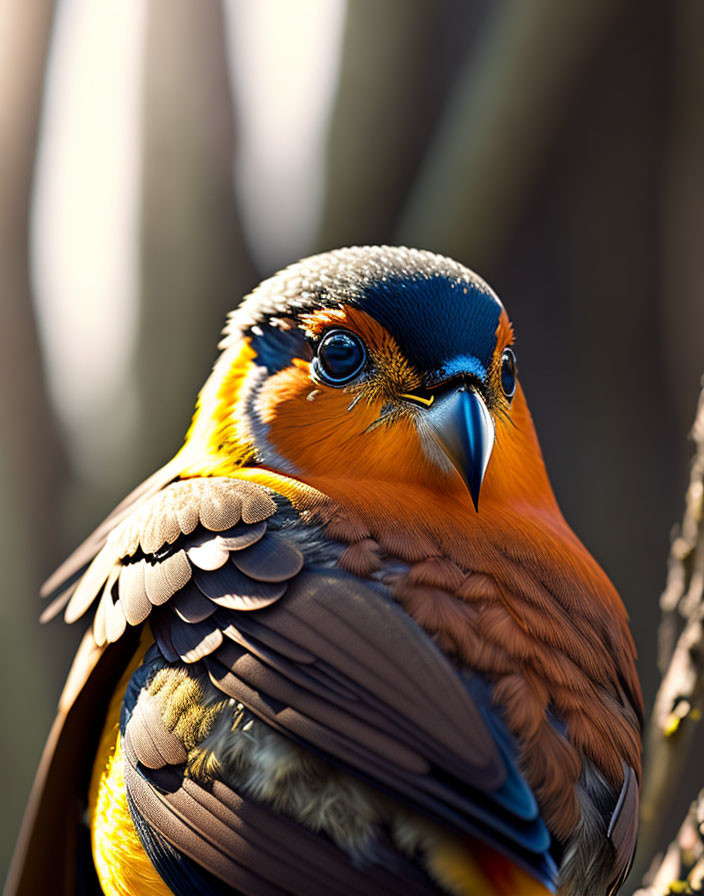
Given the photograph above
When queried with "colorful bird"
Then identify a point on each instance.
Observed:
(344, 642)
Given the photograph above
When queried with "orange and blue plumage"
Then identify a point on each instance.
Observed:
(352, 645)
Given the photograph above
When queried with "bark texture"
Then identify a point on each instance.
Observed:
(680, 699)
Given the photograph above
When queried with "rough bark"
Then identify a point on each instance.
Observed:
(680, 700)
(680, 869)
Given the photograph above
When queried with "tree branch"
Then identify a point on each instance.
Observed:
(678, 705)
(681, 868)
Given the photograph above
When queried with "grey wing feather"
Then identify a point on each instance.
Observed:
(623, 826)
(254, 849)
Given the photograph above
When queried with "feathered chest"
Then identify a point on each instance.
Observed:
(298, 616)
(553, 666)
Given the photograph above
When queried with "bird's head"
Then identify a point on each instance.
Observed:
(369, 368)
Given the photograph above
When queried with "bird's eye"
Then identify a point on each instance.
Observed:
(340, 358)
(508, 372)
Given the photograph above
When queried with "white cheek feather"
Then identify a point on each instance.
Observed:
(431, 449)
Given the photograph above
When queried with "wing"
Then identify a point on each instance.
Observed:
(61, 584)
(341, 670)
(326, 660)
(622, 832)
(53, 850)
(52, 824)
(208, 839)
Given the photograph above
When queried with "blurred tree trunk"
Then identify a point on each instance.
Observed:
(608, 234)
(399, 59)
(672, 775)
(683, 208)
(194, 264)
(501, 116)
(29, 442)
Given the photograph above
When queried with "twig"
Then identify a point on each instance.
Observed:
(681, 868)
(678, 705)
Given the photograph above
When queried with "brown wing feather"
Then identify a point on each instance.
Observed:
(623, 826)
(46, 854)
(127, 589)
(255, 850)
(342, 670)
(370, 686)
(244, 843)
(146, 579)
(320, 656)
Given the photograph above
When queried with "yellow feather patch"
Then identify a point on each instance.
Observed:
(459, 873)
(184, 713)
(216, 443)
(475, 870)
(122, 865)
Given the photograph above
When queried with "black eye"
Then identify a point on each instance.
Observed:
(340, 358)
(508, 372)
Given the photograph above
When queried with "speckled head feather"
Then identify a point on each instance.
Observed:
(424, 320)
(436, 309)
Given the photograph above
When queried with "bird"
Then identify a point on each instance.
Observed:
(344, 642)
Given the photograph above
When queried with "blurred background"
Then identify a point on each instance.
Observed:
(159, 158)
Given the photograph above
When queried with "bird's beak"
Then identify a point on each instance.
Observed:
(462, 426)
